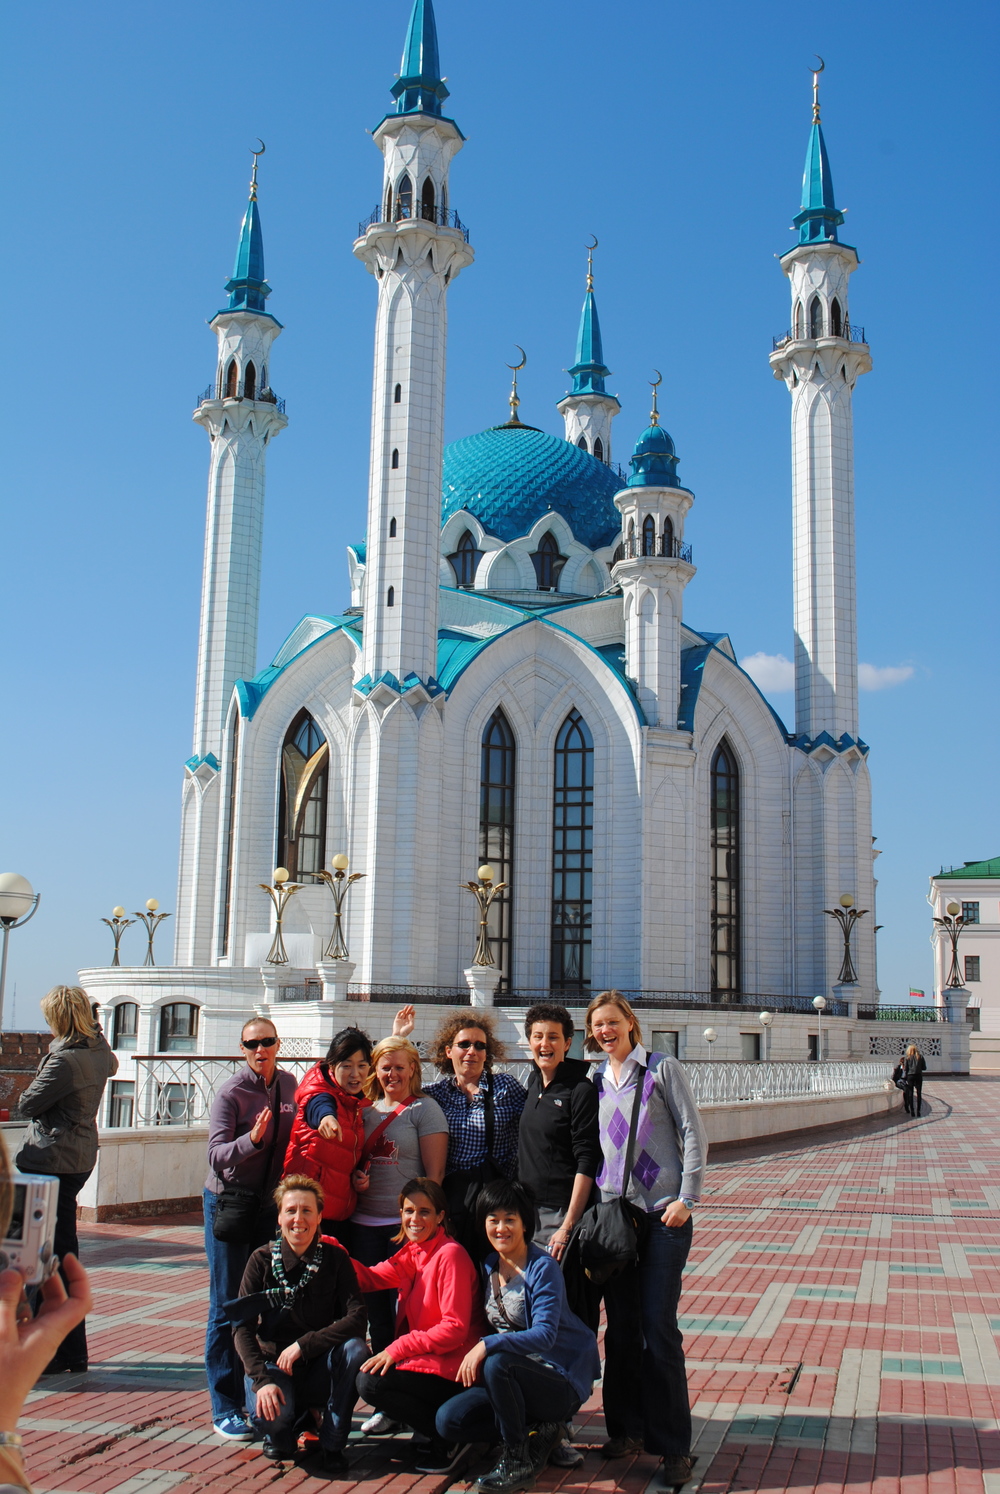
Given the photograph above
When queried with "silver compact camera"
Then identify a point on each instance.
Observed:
(28, 1243)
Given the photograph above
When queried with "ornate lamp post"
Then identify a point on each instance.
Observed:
(819, 1002)
(118, 923)
(952, 923)
(152, 920)
(279, 895)
(710, 1036)
(340, 885)
(18, 902)
(484, 891)
(765, 1019)
(847, 916)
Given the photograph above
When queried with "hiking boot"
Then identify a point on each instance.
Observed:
(513, 1472)
(542, 1438)
(675, 1471)
(622, 1447)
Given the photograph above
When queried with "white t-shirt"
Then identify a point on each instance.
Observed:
(396, 1158)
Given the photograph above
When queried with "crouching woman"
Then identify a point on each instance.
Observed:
(438, 1319)
(300, 1333)
(530, 1375)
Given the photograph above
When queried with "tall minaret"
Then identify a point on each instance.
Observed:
(415, 245)
(653, 566)
(820, 360)
(240, 415)
(589, 409)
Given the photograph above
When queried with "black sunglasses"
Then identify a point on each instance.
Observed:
(253, 1043)
(479, 1047)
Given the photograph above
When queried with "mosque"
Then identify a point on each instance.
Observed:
(514, 682)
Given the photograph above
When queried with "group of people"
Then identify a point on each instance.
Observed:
(442, 1219)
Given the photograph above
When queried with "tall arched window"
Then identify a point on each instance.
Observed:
(395, 459)
(799, 324)
(496, 831)
(465, 560)
(572, 856)
(427, 200)
(392, 529)
(397, 397)
(631, 532)
(599, 448)
(390, 597)
(836, 318)
(548, 563)
(582, 443)
(668, 537)
(305, 764)
(124, 1026)
(228, 874)
(404, 198)
(388, 203)
(725, 870)
(178, 1028)
(815, 317)
(250, 381)
(649, 535)
(232, 379)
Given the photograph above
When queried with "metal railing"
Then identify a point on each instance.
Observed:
(442, 216)
(883, 1013)
(179, 1091)
(263, 397)
(849, 333)
(662, 548)
(678, 1001)
(726, 1082)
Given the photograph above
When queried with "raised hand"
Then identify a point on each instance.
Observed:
(403, 1021)
(259, 1128)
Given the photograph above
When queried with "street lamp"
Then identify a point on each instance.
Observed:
(339, 884)
(710, 1036)
(819, 1002)
(953, 923)
(765, 1019)
(484, 891)
(118, 923)
(847, 916)
(18, 901)
(279, 895)
(152, 921)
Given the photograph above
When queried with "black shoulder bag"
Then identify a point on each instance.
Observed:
(239, 1212)
(609, 1236)
(462, 1189)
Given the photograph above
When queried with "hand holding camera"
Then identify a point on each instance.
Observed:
(27, 1344)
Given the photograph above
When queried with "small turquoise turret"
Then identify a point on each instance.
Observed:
(588, 409)
(654, 460)
(420, 88)
(819, 217)
(248, 290)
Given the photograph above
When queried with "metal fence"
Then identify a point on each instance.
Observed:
(883, 1013)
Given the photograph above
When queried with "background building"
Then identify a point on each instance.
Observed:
(975, 886)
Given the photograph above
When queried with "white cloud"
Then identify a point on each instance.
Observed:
(874, 677)
(771, 672)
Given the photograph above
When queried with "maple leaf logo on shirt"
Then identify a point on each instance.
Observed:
(384, 1150)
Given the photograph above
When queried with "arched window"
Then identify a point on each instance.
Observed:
(465, 560)
(572, 856)
(390, 597)
(548, 563)
(427, 200)
(395, 459)
(668, 537)
(232, 379)
(388, 203)
(582, 443)
(178, 1028)
(397, 397)
(836, 318)
(404, 198)
(631, 531)
(725, 870)
(599, 449)
(815, 317)
(649, 535)
(250, 381)
(496, 831)
(228, 870)
(799, 323)
(305, 765)
(392, 529)
(125, 1026)
(263, 377)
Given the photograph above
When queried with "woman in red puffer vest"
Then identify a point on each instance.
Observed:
(328, 1131)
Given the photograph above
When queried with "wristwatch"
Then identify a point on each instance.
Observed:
(689, 1203)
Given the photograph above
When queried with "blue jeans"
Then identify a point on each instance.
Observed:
(226, 1264)
(518, 1392)
(371, 1244)
(330, 1382)
(646, 1394)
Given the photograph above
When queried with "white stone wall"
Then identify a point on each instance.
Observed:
(589, 416)
(653, 596)
(982, 939)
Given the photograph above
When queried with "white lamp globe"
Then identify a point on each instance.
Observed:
(16, 896)
(846, 900)
(340, 862)
(152, 904)
(710, 1034)
(280, 875)
(765, 1019)
(819, 1002)
(953, 909)
(486, 874)
(118, 912)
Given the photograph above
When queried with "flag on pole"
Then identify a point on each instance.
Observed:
(914, 992)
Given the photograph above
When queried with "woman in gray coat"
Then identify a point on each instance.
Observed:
(61, 1103)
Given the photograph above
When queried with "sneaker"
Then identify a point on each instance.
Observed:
(441, 1457)
(235, 1428)
(380, 1425)
(675, 1471)
(514, 1471)
(621, 1447)
(565, 1455)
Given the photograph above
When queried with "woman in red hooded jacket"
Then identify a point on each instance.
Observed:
(328, 1131)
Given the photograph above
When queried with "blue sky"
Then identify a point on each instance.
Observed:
(676, 135)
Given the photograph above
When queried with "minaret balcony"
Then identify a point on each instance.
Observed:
(849, 333)
(443, 217)
(660, 548)
(263, 397)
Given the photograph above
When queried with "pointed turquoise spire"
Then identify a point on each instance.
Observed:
(589, 371)
(419, 87)
(248, 290)
(819, 217)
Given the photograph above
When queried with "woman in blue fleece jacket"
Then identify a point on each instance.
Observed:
(530, 1375)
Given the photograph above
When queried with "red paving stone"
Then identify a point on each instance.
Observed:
(841, 1315)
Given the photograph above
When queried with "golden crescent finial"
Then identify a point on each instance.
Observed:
(515, 369)
(590, 262)
(654, 384)
(253, 174)
(816, 72)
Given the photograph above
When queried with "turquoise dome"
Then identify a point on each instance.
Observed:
(513, 475)
(654, 460)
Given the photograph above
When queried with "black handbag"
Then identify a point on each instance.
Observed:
(240, 1212)
(462, 1189)
(609, 1236)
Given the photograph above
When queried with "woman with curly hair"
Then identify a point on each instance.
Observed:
(483, 1110)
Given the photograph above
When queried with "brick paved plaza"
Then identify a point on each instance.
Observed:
(841, 1317)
